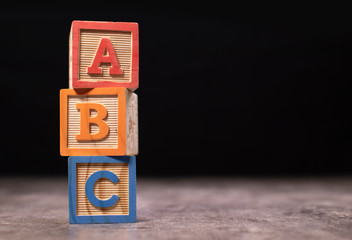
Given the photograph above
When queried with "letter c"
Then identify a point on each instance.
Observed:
(90, 189)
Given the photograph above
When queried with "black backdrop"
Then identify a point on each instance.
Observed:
(218, 95)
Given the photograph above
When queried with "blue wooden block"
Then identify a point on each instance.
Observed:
(102, 189)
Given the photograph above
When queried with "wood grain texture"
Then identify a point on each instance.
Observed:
(103, 189)
(89, 42)
(132, 123)
(73, 116)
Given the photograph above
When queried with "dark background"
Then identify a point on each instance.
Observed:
(221, 92)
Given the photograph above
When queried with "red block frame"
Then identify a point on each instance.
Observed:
(109, 26)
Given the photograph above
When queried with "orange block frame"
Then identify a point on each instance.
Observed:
(72, 102)
(109, 29)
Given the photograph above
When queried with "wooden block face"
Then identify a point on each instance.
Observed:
(102, 189)
(93, 122)
(89, 43)
(110, 102)
(103, 54)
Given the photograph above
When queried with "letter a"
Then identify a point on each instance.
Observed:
(86, 120)
(100, 57)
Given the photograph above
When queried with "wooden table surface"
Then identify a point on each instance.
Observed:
(188, 208)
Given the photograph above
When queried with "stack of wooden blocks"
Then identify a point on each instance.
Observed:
(99, 122)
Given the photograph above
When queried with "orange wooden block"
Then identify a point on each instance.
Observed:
(99, 121)
(103, 54)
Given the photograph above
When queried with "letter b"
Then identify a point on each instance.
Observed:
(86, 120)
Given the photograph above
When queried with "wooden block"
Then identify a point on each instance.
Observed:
(102, 189)
(103, 54)
(99, 121)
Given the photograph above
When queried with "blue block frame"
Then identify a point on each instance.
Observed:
(73, 218)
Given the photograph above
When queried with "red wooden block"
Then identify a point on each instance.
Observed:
(103, 54)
